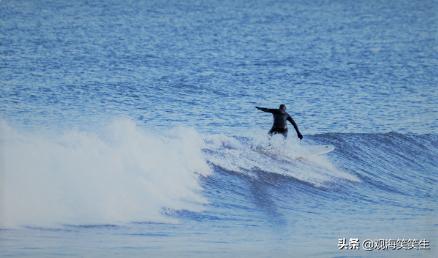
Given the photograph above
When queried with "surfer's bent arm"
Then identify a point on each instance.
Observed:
(289, 118)
(269, 110)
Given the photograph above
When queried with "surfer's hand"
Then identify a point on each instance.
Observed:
(259, 108)
(300, 136)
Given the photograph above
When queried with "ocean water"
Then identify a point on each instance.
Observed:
(129, 128)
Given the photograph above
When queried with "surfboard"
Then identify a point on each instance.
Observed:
(303, 152)
(317, 149)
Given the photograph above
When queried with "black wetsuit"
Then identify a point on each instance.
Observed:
(280, 122)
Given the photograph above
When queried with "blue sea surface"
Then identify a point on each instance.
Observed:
(129, 128)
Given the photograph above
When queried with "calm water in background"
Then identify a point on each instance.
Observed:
(129, 129)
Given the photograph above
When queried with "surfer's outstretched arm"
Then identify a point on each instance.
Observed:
(269, 110)
(295, 126)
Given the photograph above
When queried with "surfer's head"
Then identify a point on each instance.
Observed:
(282, 107)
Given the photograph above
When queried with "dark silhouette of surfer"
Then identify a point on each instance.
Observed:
(281, 117)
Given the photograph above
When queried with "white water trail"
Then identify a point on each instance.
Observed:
(274, 155)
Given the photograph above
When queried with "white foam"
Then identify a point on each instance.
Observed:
(121, 174)
(274, 155)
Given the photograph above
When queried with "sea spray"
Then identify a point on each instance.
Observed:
(122, 173)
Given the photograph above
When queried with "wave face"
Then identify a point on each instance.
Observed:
(380, 178)
(124, 173)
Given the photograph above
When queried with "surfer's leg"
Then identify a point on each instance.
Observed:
(271, 132)
(275, 131)
(284, 133)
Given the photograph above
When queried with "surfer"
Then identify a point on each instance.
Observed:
(280, 117)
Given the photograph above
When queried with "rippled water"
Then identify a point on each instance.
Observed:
(346, 67)
(128, 128)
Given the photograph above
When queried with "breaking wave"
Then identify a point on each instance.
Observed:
(125, 173)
